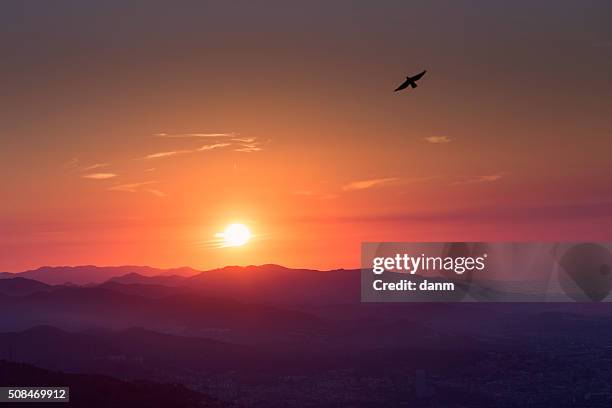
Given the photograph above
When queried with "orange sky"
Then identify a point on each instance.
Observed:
(286, 121)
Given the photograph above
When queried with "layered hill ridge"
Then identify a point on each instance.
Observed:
(90, 274)
(19, 286)
(254, 284)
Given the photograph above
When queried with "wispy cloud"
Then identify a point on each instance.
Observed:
(248, 145)
(99, 176)
(364, 184)
(139, 187)
(170, 153)
(226, 140)
(95, 166)
(244, 139)
(495, 214)
(131, 187)
(76, 165)
(490, 178)
(156, 192)
(248, 149)
(213, 146)
(187, 135)
(438, 139)
(72, 163)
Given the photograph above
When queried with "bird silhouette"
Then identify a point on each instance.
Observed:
(410, 81)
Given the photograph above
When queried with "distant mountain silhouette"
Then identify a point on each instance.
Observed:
(278, 337)
(100, 391)
(272, 284)
(89, 274)
(82, 307)
(279, 285)
(21, 286)
(145, 290)
(165, 280)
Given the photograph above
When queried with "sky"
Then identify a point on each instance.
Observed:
(133, 132)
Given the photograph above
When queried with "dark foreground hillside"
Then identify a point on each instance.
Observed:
(97, 391)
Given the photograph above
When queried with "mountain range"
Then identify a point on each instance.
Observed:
(262, 284)
(272, 336)
(89, 274)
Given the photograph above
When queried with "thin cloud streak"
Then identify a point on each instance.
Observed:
(160, 155)
(230, 139)
(99, 176)
(188, 135)
(156, 192)
(364, 184)
(482, 179)
(438, 139)
(494, 214)
(248, 149)
(72, 163)
(212, 146)
(131, 187)
(95, 166)
(172, 153)
(139, 187)
(244, 140)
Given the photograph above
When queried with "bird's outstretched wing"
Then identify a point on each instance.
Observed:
(418, 76)
(402, 86)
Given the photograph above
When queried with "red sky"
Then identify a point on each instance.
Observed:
(131, 135)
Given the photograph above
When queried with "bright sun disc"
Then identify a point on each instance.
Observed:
(236, 235)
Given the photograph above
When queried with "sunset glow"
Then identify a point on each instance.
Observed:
(148, 142)
(288, 204)
(236, 235)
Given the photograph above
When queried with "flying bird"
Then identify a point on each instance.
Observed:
(410, 81)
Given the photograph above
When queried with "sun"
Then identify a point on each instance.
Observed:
(236, 235)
